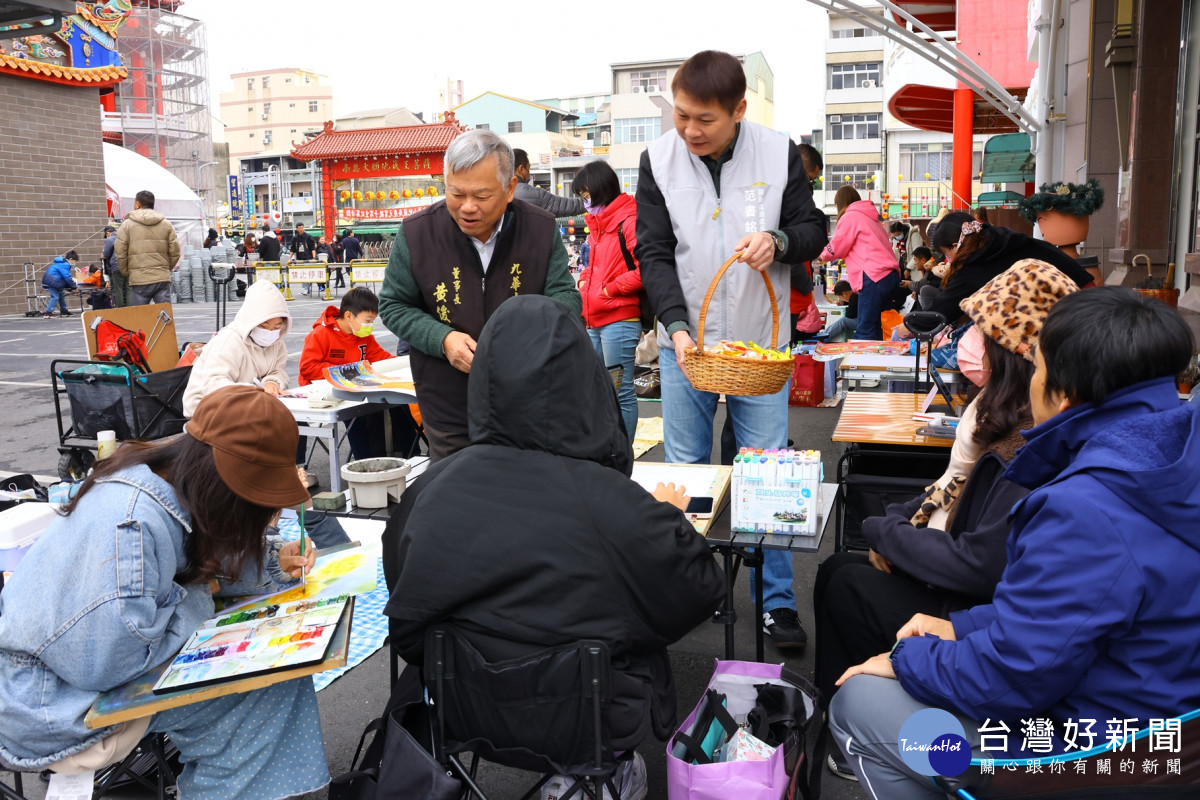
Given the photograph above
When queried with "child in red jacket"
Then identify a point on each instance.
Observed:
(343, 336)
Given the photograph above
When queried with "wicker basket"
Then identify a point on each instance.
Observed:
(726, 374)
(1168, 295)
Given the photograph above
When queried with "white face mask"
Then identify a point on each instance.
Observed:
(263, 337)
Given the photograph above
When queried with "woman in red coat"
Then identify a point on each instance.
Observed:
(611, 282)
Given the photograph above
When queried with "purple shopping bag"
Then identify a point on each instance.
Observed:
(739, 682)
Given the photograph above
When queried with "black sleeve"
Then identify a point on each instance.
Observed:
(802, 280)
(655, 249)
(805, 225)
(852, 306)
(961, 285)
(1065, 264)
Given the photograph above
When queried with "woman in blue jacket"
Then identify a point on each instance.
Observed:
(58, 281)
(120, 581)
(1095, 618)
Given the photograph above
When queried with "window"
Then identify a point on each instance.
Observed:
(654, 80)
(862, 176)
(851, 33)
(628, 179)
(483, 126)
(293, 130)
(853, 126)
(291, 105)
(934, 158)
(312, 106)
(266, 81)
(250, 109)
(251, 134)
(250, 84)
(636, 129)
(287, 80)
(266, 108)
(514, 127)
(853, 76)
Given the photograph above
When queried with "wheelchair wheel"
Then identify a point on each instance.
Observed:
(74, 463)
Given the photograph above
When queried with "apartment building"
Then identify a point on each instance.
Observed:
(268, 110)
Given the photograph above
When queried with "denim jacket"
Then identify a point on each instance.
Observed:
(93, 605)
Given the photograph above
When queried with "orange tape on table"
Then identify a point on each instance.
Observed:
(883, 418)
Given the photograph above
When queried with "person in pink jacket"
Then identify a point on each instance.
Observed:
(611, 305)
(871, 267)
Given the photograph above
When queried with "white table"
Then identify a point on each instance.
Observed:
(323, 423)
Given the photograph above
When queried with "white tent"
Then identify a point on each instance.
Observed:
(126, 173)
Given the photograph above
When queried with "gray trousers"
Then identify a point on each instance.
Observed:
(864, 720)
(148, 293)
(443, 444)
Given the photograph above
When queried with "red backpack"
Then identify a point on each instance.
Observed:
(114, 343)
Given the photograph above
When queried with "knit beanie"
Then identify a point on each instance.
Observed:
(1011, 307)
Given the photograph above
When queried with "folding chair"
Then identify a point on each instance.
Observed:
(544, 712)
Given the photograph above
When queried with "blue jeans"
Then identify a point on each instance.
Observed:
(846, 325)
(870, 305)
(615, 343)
(59, 297)
(759, 422)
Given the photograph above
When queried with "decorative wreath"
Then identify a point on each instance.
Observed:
(1076, 199)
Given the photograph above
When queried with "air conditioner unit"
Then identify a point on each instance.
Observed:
(835, 118)
(266, 140)
(868, 84)
(637, 90)
(265, 115)
(652, 88)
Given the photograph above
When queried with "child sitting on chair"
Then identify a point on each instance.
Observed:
(343, 336)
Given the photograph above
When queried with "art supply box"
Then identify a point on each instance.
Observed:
(20, 526)
(776, 491)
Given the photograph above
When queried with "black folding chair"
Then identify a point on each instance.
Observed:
(543, 713)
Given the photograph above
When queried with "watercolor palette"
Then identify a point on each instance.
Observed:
(250, 642)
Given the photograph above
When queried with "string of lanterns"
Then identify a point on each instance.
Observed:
(383, 194)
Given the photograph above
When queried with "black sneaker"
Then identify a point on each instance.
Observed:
(838, 766)
(66, 314)
(783, 626)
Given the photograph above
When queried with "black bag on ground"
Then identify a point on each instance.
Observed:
(397, 764)
(648, 384)
(21, 483)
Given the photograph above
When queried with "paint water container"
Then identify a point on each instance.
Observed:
(106, 443)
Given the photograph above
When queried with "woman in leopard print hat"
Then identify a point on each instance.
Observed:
(945, 550)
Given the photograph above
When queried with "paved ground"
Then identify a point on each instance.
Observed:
(29, 345)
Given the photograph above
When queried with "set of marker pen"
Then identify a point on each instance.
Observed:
(776, 491)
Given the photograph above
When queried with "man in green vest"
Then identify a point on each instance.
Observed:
(451, 267)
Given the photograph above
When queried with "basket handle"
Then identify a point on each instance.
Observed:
(712, 287)
(1134, 262)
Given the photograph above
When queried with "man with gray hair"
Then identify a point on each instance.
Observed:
(451, 267)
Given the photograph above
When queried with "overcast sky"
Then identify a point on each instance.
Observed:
(382, 53)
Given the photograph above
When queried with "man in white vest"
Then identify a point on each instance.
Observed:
(714, 186)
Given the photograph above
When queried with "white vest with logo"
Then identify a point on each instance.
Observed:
(707, 227)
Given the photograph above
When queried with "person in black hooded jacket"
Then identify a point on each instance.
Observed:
(978, 253)
(535, 536)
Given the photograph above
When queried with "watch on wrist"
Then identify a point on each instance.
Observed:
(780, 243)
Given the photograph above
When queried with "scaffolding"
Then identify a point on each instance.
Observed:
(162, 108)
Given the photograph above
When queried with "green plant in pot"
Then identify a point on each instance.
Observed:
(1062, 212)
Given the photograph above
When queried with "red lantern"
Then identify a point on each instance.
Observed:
(571, 221)
(904, 206)
(885, 197)
(570, 229)
(885, 214)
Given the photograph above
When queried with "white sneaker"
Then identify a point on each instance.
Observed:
(630, 780)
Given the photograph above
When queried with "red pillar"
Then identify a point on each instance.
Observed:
(327, 203)
(964, 124)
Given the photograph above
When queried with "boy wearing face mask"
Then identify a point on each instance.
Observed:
(344, 335)
(250, 350)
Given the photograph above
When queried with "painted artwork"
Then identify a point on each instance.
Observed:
(255, 641)
(362, 377)
(345, 572)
